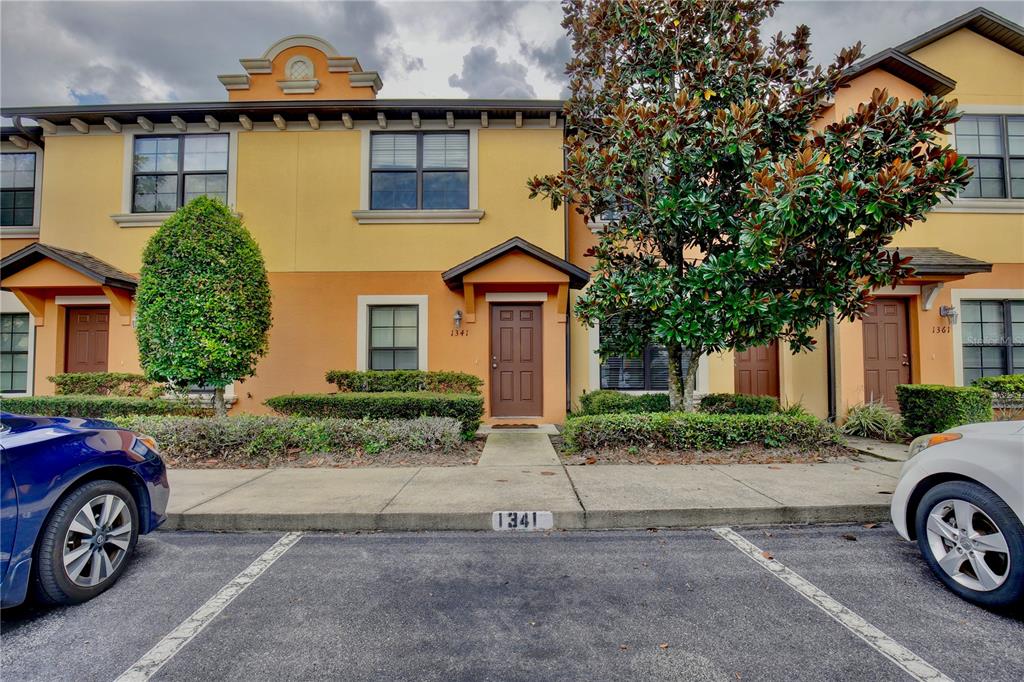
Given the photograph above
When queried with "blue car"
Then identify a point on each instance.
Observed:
(76, 494)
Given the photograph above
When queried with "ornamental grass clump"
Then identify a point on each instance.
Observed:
(874, 420)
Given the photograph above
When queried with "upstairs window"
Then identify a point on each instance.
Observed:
(410, 171)
(994, 146)
(17, 189)
(168, 171)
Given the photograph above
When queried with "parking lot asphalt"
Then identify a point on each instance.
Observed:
(487, 606)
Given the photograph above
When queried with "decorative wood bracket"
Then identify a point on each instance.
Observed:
(35, 304)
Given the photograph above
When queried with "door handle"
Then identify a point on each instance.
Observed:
(905, 364)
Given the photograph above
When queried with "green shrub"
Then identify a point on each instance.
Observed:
(1007, 393)
(614, 402)
(738, 403)
(274, 439)
(694, 431)
(404, 381)
(874, 420)
(98, 407)
(931, 408)
(468, 409)
(106, 383)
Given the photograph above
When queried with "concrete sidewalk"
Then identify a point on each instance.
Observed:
(593, 497)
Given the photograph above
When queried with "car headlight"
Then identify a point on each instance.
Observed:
(924, 442)
(145, 446)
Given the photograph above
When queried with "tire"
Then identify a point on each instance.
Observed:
(956, 524)
(69, 565)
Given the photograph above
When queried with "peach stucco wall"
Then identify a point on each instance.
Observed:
(315, 320)
(264, 86)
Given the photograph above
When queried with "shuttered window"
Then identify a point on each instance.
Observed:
(648, 372)
(410, 171)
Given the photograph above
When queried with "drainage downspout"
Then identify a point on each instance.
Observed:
(568, 312)
(830, 350)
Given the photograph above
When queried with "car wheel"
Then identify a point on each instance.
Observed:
(973, 542)
(86, 542)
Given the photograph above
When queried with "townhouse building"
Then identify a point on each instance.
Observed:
(399, 234)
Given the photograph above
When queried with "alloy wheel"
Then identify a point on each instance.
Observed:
(97, 542)
(968, 545)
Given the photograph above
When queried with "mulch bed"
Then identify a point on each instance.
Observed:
(749, 454)
(468, 454)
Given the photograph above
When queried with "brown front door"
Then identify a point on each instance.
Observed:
(886, 350)
(87, 331)
(516, 385)
(757, 370)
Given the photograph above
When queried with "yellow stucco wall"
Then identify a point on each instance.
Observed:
(985, 72)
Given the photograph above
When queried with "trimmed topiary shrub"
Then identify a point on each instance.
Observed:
(694, 431)
(203, 300)
(931, 408)
(106, 383)
(468, 409)
(404, 381)
(738, 403)
(615, 402)
(269, 440)
(874, 420)
(98, 407)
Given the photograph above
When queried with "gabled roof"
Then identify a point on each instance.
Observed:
(927, 260)
(104, 273)
(980, 20)
(927, 79)
(578, 277)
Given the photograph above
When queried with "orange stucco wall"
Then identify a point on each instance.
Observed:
(315, 330)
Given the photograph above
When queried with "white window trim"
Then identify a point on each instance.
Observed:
(365, 216)
(956, 295)
(516, 297)
(594, 365)
(9, 303)
(363, 304)
(33, 229)
(128, 219)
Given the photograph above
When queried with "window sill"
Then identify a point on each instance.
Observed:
(981, 206)
(381, 217)
(13, 232)
(145, 219)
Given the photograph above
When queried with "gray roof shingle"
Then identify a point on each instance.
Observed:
(104, 273)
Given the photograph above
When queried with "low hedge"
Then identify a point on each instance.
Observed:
(270, 439)
(99, 407)
(695, 431)
(468, 409)
(404, 381)
(738, 403)
(615, 402)
(931, 408)
(1007, 389)
(106, 383)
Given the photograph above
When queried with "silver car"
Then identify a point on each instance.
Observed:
(961, 497)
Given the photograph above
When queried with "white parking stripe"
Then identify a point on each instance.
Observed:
(913, 664)
(166, 648)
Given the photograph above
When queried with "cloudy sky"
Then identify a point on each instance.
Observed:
(95, 52)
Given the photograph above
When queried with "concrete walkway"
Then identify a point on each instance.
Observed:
(520, 471)
(893, 452)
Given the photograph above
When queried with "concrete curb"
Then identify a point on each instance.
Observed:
(564, 520)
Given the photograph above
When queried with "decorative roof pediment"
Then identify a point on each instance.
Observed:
(301, 65)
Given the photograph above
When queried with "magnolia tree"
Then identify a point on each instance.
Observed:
(735, 215)
(203, 300)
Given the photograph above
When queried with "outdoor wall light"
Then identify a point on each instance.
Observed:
(950, 312)
(458, 319)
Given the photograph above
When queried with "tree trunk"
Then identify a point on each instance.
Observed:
(690, 382)
(219, 408)
(680, 386)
